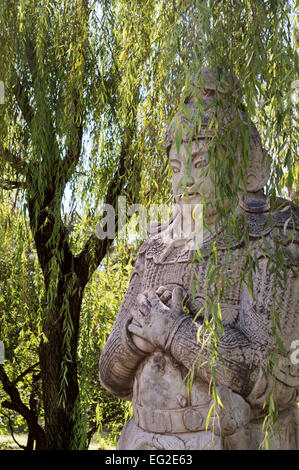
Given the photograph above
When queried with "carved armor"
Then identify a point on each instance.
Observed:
(167, 415)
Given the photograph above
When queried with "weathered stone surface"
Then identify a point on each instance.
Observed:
(155, 341)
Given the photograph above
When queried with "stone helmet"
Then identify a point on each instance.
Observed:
(227, 88)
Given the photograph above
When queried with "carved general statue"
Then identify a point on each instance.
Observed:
(160, 340)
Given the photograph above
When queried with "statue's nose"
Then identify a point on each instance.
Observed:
(188, 180)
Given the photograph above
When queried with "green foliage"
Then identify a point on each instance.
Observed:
(100, 306)
(21, 303)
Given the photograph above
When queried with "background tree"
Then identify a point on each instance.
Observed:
(74, 78)
(20, 306)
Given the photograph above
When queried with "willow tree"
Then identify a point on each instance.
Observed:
(74, 75)
(89, 87)
(21, 287)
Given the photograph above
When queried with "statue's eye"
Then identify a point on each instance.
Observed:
(175, 170)
(200, 164)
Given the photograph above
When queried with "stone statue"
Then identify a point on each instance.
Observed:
(158, 336)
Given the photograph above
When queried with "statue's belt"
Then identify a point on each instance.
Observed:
(194, 418)
(189, 419)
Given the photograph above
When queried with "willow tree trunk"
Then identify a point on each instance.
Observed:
(58, 348)
(58, 362)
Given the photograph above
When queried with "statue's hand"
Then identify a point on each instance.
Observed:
(142, 344)
(155, 316)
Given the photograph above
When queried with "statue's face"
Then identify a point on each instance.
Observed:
(191, 182)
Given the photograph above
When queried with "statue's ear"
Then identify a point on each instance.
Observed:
(259, 163)
(259, 169)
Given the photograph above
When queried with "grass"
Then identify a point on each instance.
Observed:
(100, 441)
(7, 442)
